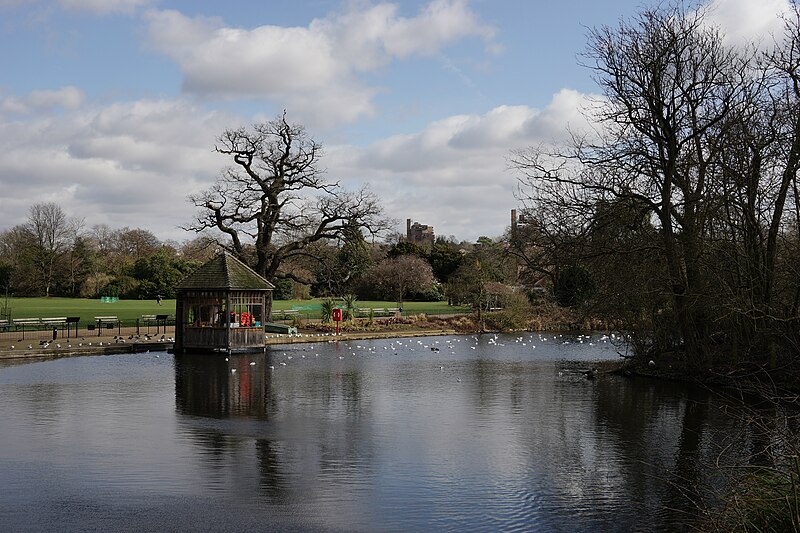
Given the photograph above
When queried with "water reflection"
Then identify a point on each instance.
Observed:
(218, 386)
(502, 440)
(481, 433)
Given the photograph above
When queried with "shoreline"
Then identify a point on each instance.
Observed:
(108, 346)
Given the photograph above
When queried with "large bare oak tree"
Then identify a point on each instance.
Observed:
(274, 202)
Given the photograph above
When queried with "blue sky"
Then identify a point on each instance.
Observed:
(111, 107)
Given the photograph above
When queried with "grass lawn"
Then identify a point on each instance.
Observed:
(86, 309)
(129, 310)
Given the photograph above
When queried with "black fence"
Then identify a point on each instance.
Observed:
(73, 327)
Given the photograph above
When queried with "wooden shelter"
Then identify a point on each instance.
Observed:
(222, 306)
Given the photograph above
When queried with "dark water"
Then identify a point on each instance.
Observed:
(486, 434)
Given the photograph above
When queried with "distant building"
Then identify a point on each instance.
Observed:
(419, 233)
(517, 221)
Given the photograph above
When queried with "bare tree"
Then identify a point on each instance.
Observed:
(669, 85)
(52, 233)
(274, 202)
(402, 275)
(133, 244)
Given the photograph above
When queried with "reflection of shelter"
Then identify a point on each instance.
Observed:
(205, 385)
(222, 306)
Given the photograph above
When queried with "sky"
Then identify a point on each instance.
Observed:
(111, 108)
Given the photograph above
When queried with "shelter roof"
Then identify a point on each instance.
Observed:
(224, 272)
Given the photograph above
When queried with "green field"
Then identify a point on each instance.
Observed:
(129, 310)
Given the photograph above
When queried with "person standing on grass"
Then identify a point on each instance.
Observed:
(158, 299)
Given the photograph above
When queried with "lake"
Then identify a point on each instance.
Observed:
(457, 433)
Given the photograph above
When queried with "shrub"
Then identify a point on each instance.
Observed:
(327, 310)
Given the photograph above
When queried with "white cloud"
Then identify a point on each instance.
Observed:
(133, 164)
(453, 173)
(103, 7)
(747, 21)
(372, 37)
(130, 164)
(314, 69)
(66, 98)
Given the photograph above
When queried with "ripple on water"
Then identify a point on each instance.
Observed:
(484, 435)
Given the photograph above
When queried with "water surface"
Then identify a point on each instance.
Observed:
(472, 433)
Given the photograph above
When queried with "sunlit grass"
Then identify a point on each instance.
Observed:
(86, 309)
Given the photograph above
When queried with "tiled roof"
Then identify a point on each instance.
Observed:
(224, 272)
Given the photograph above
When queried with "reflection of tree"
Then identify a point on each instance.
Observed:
(687, 474)
(660, 425)
(273, 481)
(690, 441)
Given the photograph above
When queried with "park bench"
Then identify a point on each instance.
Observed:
(385, 311)
(53, 323)
(285, 314)
(56, 321)
(108, 321)
(21, 323)
(155, 320)
(4, 325)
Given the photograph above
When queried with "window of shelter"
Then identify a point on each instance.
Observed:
(247, 309)
(205, 311)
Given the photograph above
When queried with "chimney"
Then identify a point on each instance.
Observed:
(513, 223)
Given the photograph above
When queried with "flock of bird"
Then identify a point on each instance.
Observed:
(117, 339)
(448, 346)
